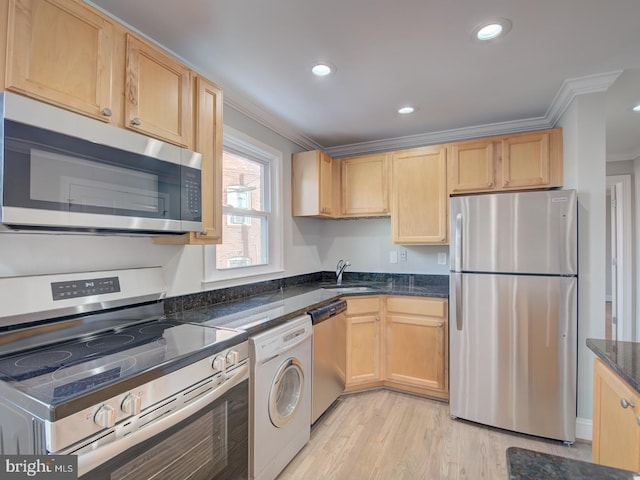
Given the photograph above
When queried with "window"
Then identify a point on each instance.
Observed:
(239, 196)
(251, 225)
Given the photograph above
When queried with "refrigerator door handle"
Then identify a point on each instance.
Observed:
(457, 300)
(458, 244)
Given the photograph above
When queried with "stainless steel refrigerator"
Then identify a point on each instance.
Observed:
(513, 311)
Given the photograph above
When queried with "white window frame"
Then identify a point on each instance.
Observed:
(241, 144)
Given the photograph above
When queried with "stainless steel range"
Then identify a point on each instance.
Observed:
(90, 366)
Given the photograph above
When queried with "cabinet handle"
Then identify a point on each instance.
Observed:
(442, 239)
(203, 233)
(506, 182)
(625, 403)
(440, 324)
(106, 112)
(377, 318)
(135, 121)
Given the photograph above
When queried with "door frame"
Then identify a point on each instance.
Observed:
(624, 273)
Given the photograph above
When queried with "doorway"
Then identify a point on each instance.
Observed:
(620, 323)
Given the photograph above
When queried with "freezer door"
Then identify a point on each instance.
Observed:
(525, 232)
(513, 352)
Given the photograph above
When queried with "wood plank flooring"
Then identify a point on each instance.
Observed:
(387, 435)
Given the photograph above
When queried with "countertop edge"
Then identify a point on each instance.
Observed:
(619, 357)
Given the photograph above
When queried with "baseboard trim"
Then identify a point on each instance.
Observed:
(584, 429)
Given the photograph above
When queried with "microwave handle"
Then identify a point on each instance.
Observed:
(94, 458)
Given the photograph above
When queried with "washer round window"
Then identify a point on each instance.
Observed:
(286, 391)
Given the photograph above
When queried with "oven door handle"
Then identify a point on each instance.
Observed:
(92, 459)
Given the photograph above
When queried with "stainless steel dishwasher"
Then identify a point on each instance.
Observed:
(329, 356)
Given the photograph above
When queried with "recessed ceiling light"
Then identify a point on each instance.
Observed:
(636, 108)
(322, 69)
(492, 30)
(406, 110)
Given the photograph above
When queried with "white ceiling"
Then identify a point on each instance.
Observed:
(389, 53)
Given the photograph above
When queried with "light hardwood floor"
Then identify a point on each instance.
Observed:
(387, 435)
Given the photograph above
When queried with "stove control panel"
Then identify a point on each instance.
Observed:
(123, 413)
(84, 288)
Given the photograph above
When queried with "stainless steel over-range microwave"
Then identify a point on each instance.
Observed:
(61, 171)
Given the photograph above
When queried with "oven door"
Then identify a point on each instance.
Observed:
(207, 442)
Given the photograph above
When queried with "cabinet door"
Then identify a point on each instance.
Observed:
(419, 198)
(416, 343)
(616, 429)
(526, 160)
(61, 52)
(158, 94)
(312, 191)
(326, 184)
(363, 366)
(208, 141)
(364, 185)
(471, 166)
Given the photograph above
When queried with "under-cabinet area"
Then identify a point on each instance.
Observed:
(413, 186)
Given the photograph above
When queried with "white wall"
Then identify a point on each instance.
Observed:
(367, 244)
(584, 141)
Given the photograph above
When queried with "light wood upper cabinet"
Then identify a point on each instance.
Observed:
(616, 420)
(419, 199)
(364, 343)
(208, 142)
(314, 182)
(520, 161)
(364, 183)
(471, 166)
(157, 94)
(417, 344)
(62, 52)
(531, 160)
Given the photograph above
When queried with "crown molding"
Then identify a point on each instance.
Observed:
(568, 91)
(572, 87)
(623, 157)
(249, 109)
(444, 136)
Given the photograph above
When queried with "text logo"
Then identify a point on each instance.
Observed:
(49, 467)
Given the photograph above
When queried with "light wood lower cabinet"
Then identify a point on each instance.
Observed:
(417, 345)
(399, 342)
(364, 343)
(616, 420)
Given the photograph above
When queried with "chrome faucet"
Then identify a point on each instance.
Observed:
(342, 265)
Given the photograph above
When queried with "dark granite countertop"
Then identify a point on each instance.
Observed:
(260, 312)
(529, 465)
(622, 357)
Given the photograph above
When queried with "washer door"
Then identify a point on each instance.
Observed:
(286, 392)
